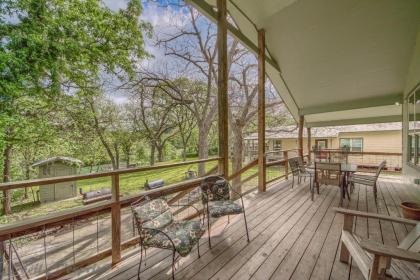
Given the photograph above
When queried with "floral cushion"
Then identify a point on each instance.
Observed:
(184, 235)
(224, 207)
(154, 214)
(218, 190)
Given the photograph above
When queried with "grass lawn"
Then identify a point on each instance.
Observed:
(129, 184)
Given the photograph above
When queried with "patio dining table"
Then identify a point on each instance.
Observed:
(346, 170)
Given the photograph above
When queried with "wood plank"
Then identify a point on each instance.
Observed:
(323, 263)
(282, 246)
(261, 112)
(269, 202)
(116, 220)
(313, 234)
(341, 270)
(269, 225)
(248, 261)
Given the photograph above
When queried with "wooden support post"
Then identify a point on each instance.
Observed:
(286, 164)
(300, 137)
(116, 220)
(261, 112)
(222, 87)
(309, 143)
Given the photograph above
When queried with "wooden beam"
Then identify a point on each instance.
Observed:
(382, 119)
(308, 130)
(222, 87)
(261, 112)
(384, 100)
(300, 136)
(116, 220)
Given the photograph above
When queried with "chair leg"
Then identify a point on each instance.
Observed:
(293, 180)
(208, 228)
(375, 191)
(198, 248)
(246, 224)
(173, 265)
(141, 259)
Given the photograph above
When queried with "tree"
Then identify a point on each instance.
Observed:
(152, 116)
(243, 107)
(185, 123)
(48, 47)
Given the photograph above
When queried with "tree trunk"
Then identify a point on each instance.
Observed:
(27, 177)
(160, 152)
(152, 154)
(7, 199)
(127, 156)
(203, 149)
(237, 157)
(117, 157)
(184, 152)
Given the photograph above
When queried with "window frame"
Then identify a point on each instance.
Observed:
(351, 143)
(413, 131)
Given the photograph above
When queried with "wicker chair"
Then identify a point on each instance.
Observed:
(299, 170)
(367, 180)
(215, 194)
(158, 229)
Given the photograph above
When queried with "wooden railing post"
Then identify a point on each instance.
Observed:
(116, 220)
(222, 87)
(308, 129)
(262, 179)
(286, 164)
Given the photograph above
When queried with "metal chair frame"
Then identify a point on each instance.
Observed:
(205, 184)
(143, 200)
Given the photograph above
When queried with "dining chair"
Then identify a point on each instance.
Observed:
(299, 170)
(367, 179)
(328, 174)
(216, 196)
(157, 228)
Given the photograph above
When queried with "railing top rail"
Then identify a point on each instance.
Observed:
(85, 211)
(358, 153)
(54, 180)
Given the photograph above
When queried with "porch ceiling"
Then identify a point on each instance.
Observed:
(333, 60)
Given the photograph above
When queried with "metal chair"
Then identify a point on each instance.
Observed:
(215, 194)
(158, 229)
(367, 180)
(299, 170)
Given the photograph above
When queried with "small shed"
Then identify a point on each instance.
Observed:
(55, 167)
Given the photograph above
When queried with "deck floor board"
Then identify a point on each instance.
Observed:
(291, 237)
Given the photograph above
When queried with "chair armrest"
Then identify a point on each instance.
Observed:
(389, 251)
(374, 216)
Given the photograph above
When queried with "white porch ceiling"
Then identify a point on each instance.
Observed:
(334, 52)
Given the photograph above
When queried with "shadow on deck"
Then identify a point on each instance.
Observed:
(291, 237)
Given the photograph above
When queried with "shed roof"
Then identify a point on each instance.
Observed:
(65, 160)
(291, 132)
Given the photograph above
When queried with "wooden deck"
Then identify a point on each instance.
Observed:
(291, 237)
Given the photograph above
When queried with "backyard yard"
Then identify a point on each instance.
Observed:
(129, 184)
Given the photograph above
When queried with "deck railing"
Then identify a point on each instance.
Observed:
(43, 226)
(366, 161)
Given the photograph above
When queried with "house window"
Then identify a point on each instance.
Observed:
(352, 144)
(321, 144)
(277, 145)
(413, 145)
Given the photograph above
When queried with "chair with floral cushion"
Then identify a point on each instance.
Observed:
(157, 228)
(215, 194)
